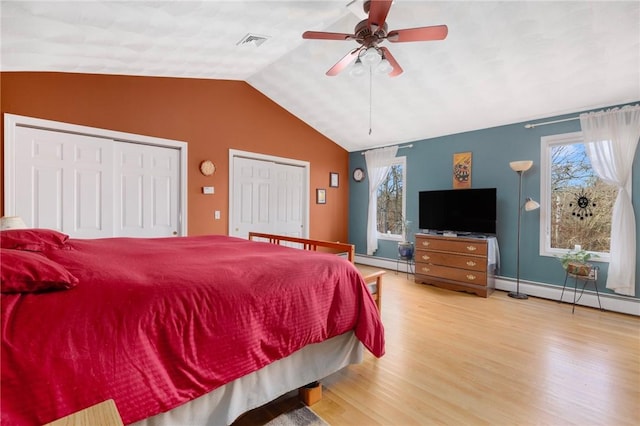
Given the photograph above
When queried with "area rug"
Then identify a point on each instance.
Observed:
(298, 417)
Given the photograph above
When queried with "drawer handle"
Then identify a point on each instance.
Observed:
(472, 248)
(471, 277)
(425, 257)
(471, 263)
(425, 269)
(426, 243)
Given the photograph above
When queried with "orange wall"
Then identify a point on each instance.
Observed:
(212, 116)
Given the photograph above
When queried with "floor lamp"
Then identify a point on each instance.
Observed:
(520, 167)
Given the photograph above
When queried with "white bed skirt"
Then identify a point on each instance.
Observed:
(225, 404)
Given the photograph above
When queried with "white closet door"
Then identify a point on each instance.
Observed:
(146, 190)
(93, 187)
(64, 182)
(267, 197)
(288, 202)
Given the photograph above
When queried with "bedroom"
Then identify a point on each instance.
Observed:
(215, 115)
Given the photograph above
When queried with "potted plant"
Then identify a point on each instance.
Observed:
(577, 262)
(405, 247)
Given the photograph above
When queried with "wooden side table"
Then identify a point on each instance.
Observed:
(103, 414)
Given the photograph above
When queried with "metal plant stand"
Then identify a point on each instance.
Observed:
(591, 278)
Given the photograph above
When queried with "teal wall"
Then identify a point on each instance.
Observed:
(429, 167)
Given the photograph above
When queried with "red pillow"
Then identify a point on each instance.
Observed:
(28, 272)
(32, 239)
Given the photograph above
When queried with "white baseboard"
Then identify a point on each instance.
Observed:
(610, 302)
(380, 262)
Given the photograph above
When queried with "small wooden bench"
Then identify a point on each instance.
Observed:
(374, 283)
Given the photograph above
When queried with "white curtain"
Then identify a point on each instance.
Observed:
(378, 166)
(611, 138)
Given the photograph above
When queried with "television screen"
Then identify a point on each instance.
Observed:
(458, 210)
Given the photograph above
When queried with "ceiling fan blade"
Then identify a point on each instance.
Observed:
(378, 11)
(397, 69)
(343, 63)
(320, 35)
(437, 32)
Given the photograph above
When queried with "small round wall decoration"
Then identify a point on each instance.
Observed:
(207, 168)
(582, 206)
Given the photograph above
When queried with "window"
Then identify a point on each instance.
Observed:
(576, 205)
(391, 201)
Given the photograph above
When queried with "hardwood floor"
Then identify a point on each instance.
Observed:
(458, 359)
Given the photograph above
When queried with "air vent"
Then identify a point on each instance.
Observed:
(254, 40)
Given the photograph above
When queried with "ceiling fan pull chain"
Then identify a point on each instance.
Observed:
(370, 96)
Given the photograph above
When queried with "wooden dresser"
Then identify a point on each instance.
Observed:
(455, 263)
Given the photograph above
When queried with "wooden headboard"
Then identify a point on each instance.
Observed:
(307, 244)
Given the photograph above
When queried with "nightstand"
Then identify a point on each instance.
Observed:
(103, 414)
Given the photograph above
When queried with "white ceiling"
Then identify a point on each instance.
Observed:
(502, 62)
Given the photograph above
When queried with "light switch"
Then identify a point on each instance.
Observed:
(208, 190)
(216, 214)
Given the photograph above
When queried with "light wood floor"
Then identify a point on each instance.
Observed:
(459, 359)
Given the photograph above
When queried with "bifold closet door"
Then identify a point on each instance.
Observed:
(146, 190)
(64, 182)
(95, 187)
(267, 197)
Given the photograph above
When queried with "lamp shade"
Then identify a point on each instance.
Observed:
(521, 166)
(531, 205)
(12, 222)
(358, 69)
(371, 56)
(384, 67)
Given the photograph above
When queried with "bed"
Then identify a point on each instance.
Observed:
(180, 330)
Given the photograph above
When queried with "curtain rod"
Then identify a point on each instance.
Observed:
(544, 123)
(399, 147)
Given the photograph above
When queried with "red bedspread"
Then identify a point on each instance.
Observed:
(154, 323)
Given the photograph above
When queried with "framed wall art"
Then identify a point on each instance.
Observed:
(321, 196)
(461, 170)
(333, 180)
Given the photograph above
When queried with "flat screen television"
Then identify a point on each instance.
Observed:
(458, 210)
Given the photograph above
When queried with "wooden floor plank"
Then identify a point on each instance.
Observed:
(454, 358)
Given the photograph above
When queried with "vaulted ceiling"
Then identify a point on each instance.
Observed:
(501, 63)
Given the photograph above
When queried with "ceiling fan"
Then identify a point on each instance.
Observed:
(370, 32)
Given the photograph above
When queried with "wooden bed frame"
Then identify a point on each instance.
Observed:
(308, 244)
(373, 280)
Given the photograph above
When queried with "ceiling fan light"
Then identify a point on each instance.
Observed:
(357, 70)
(371, 57)
(384, 67)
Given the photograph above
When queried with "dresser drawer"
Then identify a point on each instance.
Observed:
(478, 248)
(453, 274)
(472, 263)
